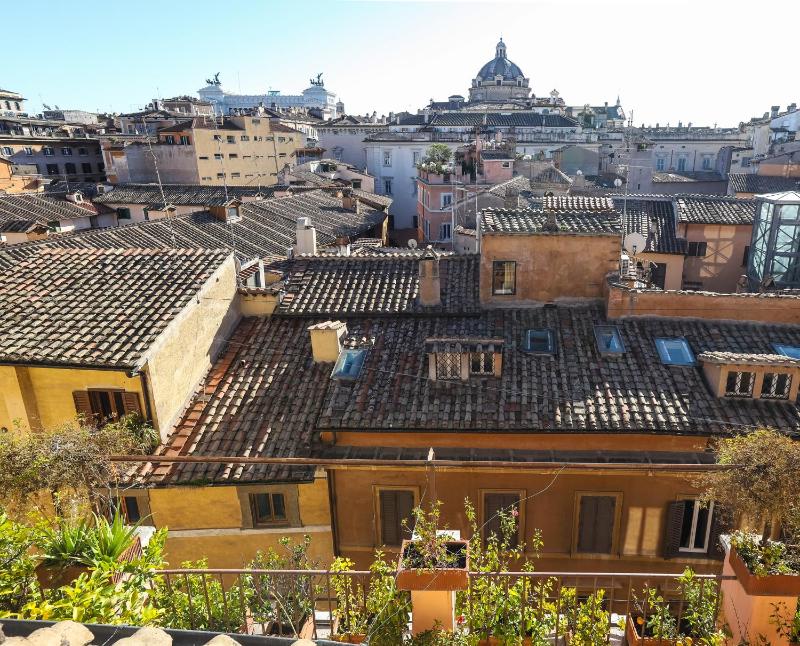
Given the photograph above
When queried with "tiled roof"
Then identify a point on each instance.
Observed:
(266, 397)
(744, 183)
(373, 198)
(660, 177)
(751, 359)
(551, 175)
(528, 221)
(518, 183)
(716, 210)
(267, 227)
(654, 219)
(179, 194)
(96, 307)
(376, 284)
(577, 203)
(204, 122)
(25, 211)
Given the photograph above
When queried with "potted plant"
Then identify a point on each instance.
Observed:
(699, 619)
(591, 622)
(433, 560)
(651, 624)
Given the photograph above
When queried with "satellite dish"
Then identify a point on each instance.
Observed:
(412, 244)
(634, 243)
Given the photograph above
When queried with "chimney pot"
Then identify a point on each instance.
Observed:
(306, 235)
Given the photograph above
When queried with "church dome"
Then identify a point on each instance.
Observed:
(500, 66)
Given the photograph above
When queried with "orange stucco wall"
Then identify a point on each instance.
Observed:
(549, 266)
(720, 269)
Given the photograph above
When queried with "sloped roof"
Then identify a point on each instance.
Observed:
(179, 194)
(528, 221)
(655, 220)
(716, 210)
(26, 211)
(266, 397)
(96, 307)
(266, 227)
(744, 183)
(376, 283)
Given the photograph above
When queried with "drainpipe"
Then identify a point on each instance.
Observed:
(332, 505)
(148, 411)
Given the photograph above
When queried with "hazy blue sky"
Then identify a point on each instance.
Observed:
(691, 60)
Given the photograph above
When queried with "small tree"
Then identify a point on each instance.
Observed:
(436, 159)
(71, 461)
(761, 482)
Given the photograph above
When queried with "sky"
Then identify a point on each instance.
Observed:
(698, 61)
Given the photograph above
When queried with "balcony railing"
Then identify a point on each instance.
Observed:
(544, 607)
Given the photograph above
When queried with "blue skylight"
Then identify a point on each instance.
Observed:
(349, 364)
(675, 352)
(540, 340)
(792, 351)
(609, 340)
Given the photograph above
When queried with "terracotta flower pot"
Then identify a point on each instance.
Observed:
(772, 585)
(437, 579)
(55, 576)
(633, 637)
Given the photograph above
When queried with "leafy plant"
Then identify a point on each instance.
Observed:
(109, 540)
(765, 558)
(437, 159)
(591, 622)
(440, 637)
(387, 607)
(283, 600)
(431, 548)
(351, 602)
(65, 543)
(17, 579)
(786, 621)
(660, 623)
(699, 614)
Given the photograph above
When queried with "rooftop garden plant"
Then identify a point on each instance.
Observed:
(431, 546)
(437, 159)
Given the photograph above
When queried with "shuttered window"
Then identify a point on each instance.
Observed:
(395, 507)
(596, 524)
(694, 528)
(103, 406)
(493, 503)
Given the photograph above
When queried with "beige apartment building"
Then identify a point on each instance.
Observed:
(235, 150)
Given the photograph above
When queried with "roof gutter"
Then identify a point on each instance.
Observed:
(130, 370)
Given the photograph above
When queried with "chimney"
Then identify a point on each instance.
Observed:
(306, 237)
(326, 340)
(430, 291)
(75, 196)
(791, 107)
(350, 201)
(774, 111)
(550, 224)
(511, 200)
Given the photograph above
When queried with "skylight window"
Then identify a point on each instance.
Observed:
(609, 340)
(540, 340)
(792, 351)
(349, 364)
(675, 352)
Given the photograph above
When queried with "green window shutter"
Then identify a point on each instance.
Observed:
(673, 528)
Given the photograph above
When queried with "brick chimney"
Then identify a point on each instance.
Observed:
(326, 340)
(350, 201)
(306, 237)
(430, 290)
(511, 200)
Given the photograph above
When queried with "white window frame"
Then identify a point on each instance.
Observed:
(773, 393)
(445, 231)
(445, 201)
(387, 158)
(693, 531)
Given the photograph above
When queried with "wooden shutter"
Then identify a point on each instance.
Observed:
(130, 401)
(395, 507)
(721, 522)
(492, 504)
(596, 524)
(673, 528)
(83, 405)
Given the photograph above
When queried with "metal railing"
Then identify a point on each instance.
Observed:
(544, 607)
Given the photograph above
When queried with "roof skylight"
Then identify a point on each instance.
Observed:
(609, 340)
(349, 364)
(792, 351)
(540, 340)
(675, 352)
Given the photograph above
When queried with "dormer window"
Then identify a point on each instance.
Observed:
(349, 364)
(739, 384)
(675, 352)
(776, 385)
(540, 341)
(609, 340)
(481, 363)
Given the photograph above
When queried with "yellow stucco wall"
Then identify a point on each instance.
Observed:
(183, 353)
(51, 388)
(207, 522)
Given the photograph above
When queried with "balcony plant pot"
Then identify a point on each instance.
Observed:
(344, 638)
(633, 637)
(444, 579)
(56, 576)
(772, 585)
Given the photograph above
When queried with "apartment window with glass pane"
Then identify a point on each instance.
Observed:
(539, 341)
(697, 249)
(608, 339)
(776, 386)
(267, 508)
(739, 384)
(387, 186)
(447, 200)
(696, 526)
(504, 277)
(387, 157)
(445, 230)
(481, 363)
